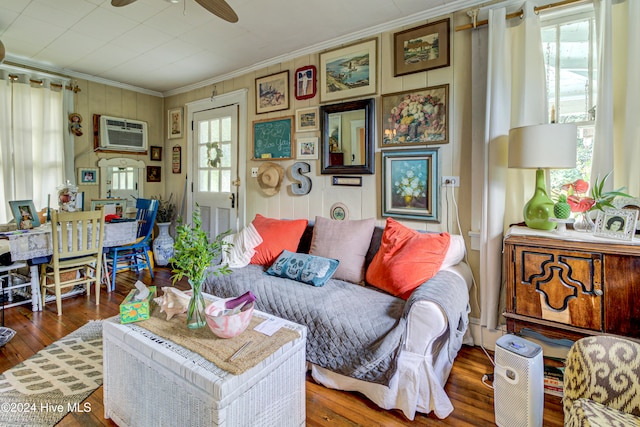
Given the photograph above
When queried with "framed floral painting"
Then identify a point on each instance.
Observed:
(410, 184)
(415, 117)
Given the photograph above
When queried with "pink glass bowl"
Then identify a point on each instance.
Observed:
(228, 326)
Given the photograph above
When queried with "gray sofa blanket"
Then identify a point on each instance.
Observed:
(353, 330)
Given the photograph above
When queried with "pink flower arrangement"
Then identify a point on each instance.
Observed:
(576, 196)
(415, 109)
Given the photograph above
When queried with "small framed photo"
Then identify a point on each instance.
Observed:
(25, 214)
(174, 123)
(88, 176)
(349, 71)
(628, 203)
(410, 184)
(272, 92)
(421, 48)
(415, 117)
(156, 153)
(111, 206)
(307, 119)
(307, 148)
(306, 78)
(154, 173)
(616, 223)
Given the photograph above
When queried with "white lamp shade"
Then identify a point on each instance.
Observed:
(547, 146)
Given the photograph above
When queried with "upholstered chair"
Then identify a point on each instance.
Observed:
(602, 382)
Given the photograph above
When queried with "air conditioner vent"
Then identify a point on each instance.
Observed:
(123, 134)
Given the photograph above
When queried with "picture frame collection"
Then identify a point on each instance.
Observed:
(406, 119)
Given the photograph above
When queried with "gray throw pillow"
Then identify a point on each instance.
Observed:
(346, 241)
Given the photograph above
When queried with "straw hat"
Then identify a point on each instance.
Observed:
(270, 177)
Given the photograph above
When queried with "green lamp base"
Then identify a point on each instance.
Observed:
(539, 209)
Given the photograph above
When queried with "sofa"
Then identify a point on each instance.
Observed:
(394, 344)
(601, 380)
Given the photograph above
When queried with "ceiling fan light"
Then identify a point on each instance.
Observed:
(173, 1)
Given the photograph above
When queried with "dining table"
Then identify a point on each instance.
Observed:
(35, 246)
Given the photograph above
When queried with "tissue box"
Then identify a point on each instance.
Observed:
(133, 311)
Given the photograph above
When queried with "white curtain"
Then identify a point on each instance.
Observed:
(515, 96)
(33, 124)
(617, 139)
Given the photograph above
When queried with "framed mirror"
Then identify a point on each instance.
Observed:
(347, 137)
(122, 178)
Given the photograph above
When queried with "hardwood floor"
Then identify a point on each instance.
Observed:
(472, 400)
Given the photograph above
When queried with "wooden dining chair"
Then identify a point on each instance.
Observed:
(77, 239)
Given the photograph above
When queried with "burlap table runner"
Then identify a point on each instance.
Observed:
(219, 350)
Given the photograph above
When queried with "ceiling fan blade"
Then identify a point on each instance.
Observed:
(119, 3)
(219, 8)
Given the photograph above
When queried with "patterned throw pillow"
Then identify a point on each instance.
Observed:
(309, 269)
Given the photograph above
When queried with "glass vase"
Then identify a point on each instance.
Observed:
(196, 317)
(583, 223)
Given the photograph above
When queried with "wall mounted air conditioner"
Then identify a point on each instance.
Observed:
(122, 134)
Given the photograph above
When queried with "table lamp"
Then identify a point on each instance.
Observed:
(546, 146)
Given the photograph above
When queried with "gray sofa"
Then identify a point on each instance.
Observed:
(398, 353)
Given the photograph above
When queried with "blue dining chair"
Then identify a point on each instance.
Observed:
(135, 256)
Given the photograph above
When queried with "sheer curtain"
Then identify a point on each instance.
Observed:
(617, 141)
(515, 96)
(33, 126)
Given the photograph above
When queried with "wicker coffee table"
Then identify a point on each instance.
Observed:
(149, 381)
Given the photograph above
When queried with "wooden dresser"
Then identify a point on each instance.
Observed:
(571, 285)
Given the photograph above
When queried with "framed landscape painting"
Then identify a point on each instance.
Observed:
(272, 92)
(410, 184)
(422, 48)
(349, 71)
(415, 117)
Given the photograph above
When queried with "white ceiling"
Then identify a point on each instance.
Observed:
(165, 48)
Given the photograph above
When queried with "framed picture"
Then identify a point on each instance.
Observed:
(349, 181)
(421, 48)
(339, 211)
(115, 206)
(272, 92)
(349, 71)
(272, 138)
(88, 176)
(156, 153)
(25, 214)
(306, 78)
(616, 223)
(154, 173)
(628, 203)
(415, 117)
(176, 159)
(307, 148)
(410, 184)
(307, 119)
(174, 123)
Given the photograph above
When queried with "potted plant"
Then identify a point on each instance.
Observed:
(194, 258)
(163, 244)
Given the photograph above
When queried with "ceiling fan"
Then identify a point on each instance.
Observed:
(220, 8)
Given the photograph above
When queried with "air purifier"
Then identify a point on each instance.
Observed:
(518, 382)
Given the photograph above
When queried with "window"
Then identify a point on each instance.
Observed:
(214, 144)
(569, 48)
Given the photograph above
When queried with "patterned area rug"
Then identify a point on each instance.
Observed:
(53, 382)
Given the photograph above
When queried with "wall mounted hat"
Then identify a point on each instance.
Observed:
(270, 178)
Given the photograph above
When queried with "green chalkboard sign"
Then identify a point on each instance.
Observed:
(272, 138)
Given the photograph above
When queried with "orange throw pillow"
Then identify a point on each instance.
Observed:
(406, 259)
(277, 235)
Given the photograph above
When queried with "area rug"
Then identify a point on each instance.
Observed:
(53, 382)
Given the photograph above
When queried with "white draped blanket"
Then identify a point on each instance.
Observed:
(244, 243)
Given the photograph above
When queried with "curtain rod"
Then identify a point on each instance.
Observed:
(74, 88)
(474, 13)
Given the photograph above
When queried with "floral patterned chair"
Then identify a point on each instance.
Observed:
(602, 382)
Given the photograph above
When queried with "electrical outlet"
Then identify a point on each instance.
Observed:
(254, 172)
(451, 181)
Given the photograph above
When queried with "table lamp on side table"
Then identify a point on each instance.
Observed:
(546, 146)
